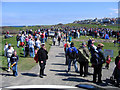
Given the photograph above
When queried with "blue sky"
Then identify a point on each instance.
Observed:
(50, 13)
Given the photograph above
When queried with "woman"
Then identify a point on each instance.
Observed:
(14, 59)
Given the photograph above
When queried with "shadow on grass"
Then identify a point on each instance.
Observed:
(29, 74)
(4, 68)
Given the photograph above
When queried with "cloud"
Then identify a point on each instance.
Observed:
(114, 10)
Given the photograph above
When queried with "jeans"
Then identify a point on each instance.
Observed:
(18, 43)
(8, 60)
(42, 40)
(15, 73)
(75, 65)
(32, 54)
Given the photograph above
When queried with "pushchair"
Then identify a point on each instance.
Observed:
(114, 78)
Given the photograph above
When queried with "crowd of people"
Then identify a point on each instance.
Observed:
(33, 44)
(89, 53)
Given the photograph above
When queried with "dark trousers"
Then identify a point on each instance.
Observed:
(97, 71)
(59, 43)
(85, 66)
(107, 65)
(42, 67)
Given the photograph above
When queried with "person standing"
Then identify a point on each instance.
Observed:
(54, 40)
(59, 38)
(117, 68)
(99, 61)
(83, 59)
(10, 51)
(37, 43)
(31, 47)
(72, 53)
(14, 59)
(42, 57)
(5, 48)
(108, 60)
(18, 40)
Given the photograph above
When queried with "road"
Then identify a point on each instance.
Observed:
(56, 73)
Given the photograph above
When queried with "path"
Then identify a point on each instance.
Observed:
(56, 73)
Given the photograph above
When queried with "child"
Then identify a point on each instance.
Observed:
(54, 40)
(14, 59)
(108, 60)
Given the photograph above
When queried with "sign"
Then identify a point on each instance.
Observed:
(108, 52)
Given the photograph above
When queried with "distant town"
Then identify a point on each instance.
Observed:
(97, 21)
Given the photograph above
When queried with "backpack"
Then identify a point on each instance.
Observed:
(72, 55)
(82, 56)
(118, 65)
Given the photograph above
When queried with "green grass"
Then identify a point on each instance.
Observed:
(93, 26)
(24, 63)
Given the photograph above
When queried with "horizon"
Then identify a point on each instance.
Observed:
(52, 13)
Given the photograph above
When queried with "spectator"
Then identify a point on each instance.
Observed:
(37, 43)
(31, 47)
(5, 48)
(59, 39)
(72, 53)
(14, 59)
(108, 60)
(99, 59)
(18, 40)
(117, 72)
(10, 51)
(42, 57)
(83, 59)
(54, 40)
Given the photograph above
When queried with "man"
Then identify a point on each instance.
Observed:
(83, 59)
(59, 39)
(42, 57)
(117, 72)
(72, 53)
(66, 46)
(99, 60)
(31, 47)
(10, 51)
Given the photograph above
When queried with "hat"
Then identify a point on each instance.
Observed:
(42, 44)
(72, 43)
(83, 43)
(9, 44)
(100, 45)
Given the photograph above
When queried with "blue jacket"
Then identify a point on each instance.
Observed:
(74, 49)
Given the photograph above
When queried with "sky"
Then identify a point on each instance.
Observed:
(51, 13)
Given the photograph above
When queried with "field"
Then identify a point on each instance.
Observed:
(17, 29)
(24, 63)
(28, 62)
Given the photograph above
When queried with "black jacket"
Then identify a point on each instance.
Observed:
(14, 58)
(42, 55)
(117, 60)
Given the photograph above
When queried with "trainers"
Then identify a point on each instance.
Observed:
(8, 70)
